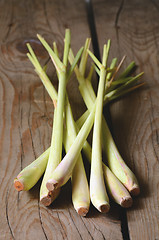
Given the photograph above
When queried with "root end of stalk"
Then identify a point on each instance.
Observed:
(126, 202)
(51, 185)
(104, 208)
(46, 200)
(18, 185)
(135, 190)
(82, 211)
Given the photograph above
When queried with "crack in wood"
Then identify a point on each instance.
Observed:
(7, 216)
(117, 20)
(153, 145)
(41, 223)
(118, 14)
(64, 237)
(87, 229)
(74, 224)
(10, 25)
(99, 231)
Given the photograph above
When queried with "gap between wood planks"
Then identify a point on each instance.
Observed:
(93, 32)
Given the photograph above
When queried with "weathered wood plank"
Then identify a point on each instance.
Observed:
(26, 120)
(133, 27)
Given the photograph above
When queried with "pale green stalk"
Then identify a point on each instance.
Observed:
(26, 175)
(80, 189)
(47, 197)
(57, 132)
(125, 176)
(115, 161)
(29, 176)
(99, 197)
(66, 166)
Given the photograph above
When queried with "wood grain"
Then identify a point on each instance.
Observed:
(133, 27)
(26, 120)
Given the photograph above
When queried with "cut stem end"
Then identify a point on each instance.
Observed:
(135, 190)
(51, 185)
(82, 211)
(48, 199)
(126, 202)
(18, 185)
(104, 208)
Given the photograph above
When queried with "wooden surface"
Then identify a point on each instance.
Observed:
(26, 114)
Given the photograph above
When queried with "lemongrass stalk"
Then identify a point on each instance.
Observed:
(80, 189)
(54, 97)
(131, 184)
(82, 203)
(116, 189)
(57, 131)
(65, 167)
(117, 164)
(47, 197)
(55, 94)
(115, 161)
(29, 176)
(99, 197)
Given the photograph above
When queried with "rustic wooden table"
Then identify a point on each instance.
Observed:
(26, 114)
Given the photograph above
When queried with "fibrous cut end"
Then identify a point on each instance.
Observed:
(46, 200)
(126, 202)
(82, 211)
(104, 208)
(135, 190)
(18, 185)
(51, 185)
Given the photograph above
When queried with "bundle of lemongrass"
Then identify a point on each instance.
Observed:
(116, 178)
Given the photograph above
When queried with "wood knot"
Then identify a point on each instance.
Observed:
(35, 44)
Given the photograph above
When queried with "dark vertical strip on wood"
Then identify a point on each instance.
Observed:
(118, 13)
(91, 22)
(124, 224)
(92, 26)
(123, 214)
(117, 19)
